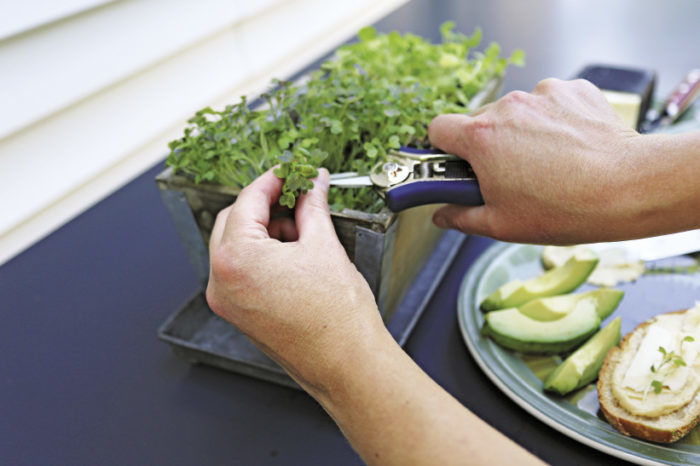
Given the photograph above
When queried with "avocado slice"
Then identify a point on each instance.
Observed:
(604, 300)
(558, 280)
(583, 365)
(513, 329)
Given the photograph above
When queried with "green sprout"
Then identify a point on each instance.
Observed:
(672, 361)
(373, 96)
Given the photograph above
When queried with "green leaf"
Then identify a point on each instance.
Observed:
(394, 142)
(446, 29)
(370, 151)
(287, 200)
(317, 157)
(517, 58)
(282, 171)
(475, 39)
(287, 156)
(448, 60)
(308, 171)
(406, 129)
(367, 33)
(284, 142)
(678, 362)
(336, 127)
(308, 142)
(375, 94)
(657, 385)
(294, 182)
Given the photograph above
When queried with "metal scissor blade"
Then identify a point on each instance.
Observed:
(350, 180)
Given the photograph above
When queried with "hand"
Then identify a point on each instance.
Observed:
(552, 166)
(302, 302)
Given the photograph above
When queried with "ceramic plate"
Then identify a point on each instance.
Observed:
(520, 377)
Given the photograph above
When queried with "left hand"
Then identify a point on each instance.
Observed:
(302, 302)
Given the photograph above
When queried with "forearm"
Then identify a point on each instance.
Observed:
(661, 189)
(558, 166)
(325, 330)
(393, 413)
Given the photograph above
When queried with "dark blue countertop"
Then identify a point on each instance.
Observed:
(83, 379)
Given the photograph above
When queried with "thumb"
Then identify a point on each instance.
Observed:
(250, 214)
(449, 133)
(471, 220)
(313, 218)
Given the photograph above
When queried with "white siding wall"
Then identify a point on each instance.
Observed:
(91, 91)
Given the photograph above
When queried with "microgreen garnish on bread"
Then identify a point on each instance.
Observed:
(649, 386)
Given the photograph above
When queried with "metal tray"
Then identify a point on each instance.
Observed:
(196, 334)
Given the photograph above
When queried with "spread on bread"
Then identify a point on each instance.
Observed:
(634, 376)
(649, 386)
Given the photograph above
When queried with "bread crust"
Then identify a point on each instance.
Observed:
(664, 429)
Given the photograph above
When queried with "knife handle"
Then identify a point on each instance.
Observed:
(683, 96)
(421, 192)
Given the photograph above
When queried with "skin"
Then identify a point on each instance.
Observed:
(305, 305)
(558, 166)
(555, 166)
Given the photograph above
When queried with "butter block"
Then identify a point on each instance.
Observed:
(626, 106)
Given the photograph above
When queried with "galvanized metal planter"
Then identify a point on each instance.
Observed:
(386, 248)
(390, 250)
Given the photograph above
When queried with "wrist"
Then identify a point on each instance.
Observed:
(659, 190)
(326, 370)
(356, 362)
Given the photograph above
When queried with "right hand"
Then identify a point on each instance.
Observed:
(551, 166)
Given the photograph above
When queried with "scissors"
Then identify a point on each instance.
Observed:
(412, 177)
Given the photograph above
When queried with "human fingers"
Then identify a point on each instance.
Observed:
(450, 133)
(581, 87)
(250, 214)
(471, 220)
(217, 232)
(282, 226)
(594, 97)
(577, 93)
(482, 109)
(283, 229)
(548, 86)
(313, 218)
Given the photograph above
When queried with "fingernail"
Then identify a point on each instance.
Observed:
(322, 180)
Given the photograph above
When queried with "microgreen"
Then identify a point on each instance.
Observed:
(374, 95)
(671, 361)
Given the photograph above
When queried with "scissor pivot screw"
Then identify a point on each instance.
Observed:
(392, 168)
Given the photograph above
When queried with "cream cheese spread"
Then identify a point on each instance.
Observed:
(633, 379)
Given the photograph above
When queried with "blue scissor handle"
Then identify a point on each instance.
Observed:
(420, 192)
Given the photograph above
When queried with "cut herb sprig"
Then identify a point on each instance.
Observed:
(671, 361)
(374, 95)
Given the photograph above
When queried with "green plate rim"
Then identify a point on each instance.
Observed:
(558, 414)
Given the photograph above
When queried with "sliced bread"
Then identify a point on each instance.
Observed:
(666, 428)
